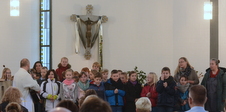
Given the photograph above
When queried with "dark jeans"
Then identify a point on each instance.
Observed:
(165, 109)
(116, 108)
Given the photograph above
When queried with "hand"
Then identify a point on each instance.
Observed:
(184, 102)
(162, 77)
(165, 84)
(148, 94)
(136, 99)
(116, 91)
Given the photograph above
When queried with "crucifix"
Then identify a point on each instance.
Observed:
(88, 28)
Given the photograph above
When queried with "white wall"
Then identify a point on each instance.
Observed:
(149, 34)
(222, 33)
(19, 35)
(191, 34)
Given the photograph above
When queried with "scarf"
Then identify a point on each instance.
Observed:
(134, 82)
(83, 86)
(183, 88)
(68, 82)
(118, 84)
(186, 71)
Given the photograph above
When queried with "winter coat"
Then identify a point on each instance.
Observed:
(50, 87)
(132, 93)
(60, 70)
(100, 90)
(154, 94)
(221, 87)
(166, 96)
(112, 98)
(69, 92)
(183, 91)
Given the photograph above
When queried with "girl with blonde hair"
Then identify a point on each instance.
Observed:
(149, 90)
(11, 94)
(6, 74)
(184, 68)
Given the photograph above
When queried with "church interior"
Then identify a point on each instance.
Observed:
(149, 34)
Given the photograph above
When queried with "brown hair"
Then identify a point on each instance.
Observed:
(98, 75)
(104, 71)
(198, 94)
(87, 93)
(94, 72)
(4, 72)
(95, 104)
(131, 72)
(186, 78)
(13, 107)
(96, 64)
(12, 94)
(69, 70)
(178, 66)
(81, 74)
(54, 73)
(63, 58)
(85, 69)
(68, 104)
(125, 74)
(76, 76)
(90, 92)
(216, 61)
(114, 71)
(166, 69)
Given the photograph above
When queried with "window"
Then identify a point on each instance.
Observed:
(46, 33)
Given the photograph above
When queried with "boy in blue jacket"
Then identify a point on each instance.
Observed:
(114, 90)
(166, 91)
(98, 86)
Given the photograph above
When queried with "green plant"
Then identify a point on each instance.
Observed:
(141, 75)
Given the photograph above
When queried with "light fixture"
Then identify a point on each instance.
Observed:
(208, 9)
(14, 7)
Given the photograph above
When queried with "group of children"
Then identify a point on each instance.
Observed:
(121, 93)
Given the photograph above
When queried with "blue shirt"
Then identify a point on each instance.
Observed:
(197, 109)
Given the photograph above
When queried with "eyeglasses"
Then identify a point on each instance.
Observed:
(8, 72)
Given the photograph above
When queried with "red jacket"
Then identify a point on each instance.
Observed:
(60, 70)
(154, 94)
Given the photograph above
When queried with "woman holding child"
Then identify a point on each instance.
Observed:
(215, 82)
(184, 68)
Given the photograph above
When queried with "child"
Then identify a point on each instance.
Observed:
(133, 89)
(76, 76)
(50, 90)
(62, 66)
(6, 74)
(69, 88)
(123, 77)
(91, 75)
(33, 73)
(86, 70)
(166, 91)
(98, 85)
(149, 90)
(183, 90)
(96, 66)
(43, 75)
(83, 84)
(105, 75)
(114, 90)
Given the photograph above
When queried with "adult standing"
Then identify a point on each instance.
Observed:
(184, 68)
(37, 66)
(23, 81)
(215, 82)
